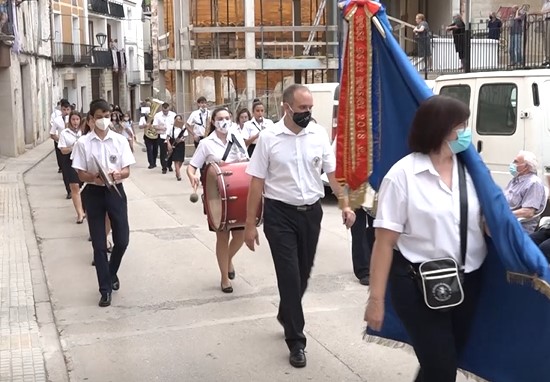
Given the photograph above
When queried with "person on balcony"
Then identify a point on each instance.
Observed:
(422, 35)
(545, 11)
(459, 37)
(494, 25)
(525, 192)
(516, 34)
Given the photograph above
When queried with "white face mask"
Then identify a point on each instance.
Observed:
(102, 123)
(222, 125)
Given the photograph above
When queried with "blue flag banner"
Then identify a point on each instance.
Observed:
(511, 330)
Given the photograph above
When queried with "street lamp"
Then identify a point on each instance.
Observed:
(101, 37)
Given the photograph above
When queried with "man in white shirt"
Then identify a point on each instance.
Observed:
(55, 113)
(197, 121)
(58, 122)
(113, 152)
(286, 167)
(162, 122)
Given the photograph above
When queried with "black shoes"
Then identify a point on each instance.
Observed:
(231, 275)
(227, 289)
(105, 300)
(164, 171)
(116, 283)
(68, 195)
(150, 167)
(364, 280)
(170, 169)
(297, 357)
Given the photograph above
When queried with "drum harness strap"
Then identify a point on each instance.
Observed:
(230, 144)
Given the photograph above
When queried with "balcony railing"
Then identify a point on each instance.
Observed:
(99, 6)
(133, 77)
(148, 61)
(72, 54)
(116, 10)
(103, 58)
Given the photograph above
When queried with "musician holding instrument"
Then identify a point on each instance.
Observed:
(255, 126)
(286, 168)
(198, 120)
(58, 124)
(222, 146)
(102, 159)
(162, 122)
(175, 141)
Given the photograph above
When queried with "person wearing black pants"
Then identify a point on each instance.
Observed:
(112, 152)
(162, 123)
(58, 124)
(152, 147)
(362, 241)
(542, 239)
(293, 213)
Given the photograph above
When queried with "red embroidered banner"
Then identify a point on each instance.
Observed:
(354, 139)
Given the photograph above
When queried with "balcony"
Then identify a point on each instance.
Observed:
(68, 54)
(134, 77)
(99, 6)
(116, 10)
(148, 60)
(102, 58)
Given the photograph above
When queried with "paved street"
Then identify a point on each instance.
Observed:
(170, 321)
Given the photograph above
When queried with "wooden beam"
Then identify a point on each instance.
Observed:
(218, 87)
(266, 29)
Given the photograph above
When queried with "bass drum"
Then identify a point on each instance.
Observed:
(225, 195)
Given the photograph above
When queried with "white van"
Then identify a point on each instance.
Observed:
(325, 94)
(510, 111)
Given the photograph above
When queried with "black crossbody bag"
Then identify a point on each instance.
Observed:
(441, 280)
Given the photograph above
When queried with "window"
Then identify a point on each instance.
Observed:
(497, 109)
(460, 92)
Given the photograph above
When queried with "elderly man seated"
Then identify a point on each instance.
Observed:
(525, 192)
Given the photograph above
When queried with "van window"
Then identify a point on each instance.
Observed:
(460, 92)
(497, 109)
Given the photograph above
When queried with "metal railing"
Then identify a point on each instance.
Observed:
(99, 6)
(116, 10)
(103, 58)
(148, 61)
(509, 47)
(72, 54)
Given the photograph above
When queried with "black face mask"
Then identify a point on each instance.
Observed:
(302, 119)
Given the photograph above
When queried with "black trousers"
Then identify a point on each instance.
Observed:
(57, 155)
(152, 146)
(437, 337)
(542, 239)
(164, 162)
(293, 236)
(100, 201)
(362, 241)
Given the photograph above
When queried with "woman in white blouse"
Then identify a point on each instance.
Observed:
(418, 219)
(212, 149)
(67, 140)
(254, 127)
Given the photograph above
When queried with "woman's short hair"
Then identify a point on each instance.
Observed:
(433, 122)
(243, 111)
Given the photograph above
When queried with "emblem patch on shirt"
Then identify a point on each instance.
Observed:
(112, 159)
(316, 161)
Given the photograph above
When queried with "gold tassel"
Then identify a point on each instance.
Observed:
(536, 283)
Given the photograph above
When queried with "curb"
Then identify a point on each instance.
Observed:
(52, 350)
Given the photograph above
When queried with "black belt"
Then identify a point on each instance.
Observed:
(302, 208)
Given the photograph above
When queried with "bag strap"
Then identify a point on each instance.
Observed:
(230, 144)
(463, 211)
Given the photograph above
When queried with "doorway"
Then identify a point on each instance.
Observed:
(26, 96)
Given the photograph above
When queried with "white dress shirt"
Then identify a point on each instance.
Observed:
(113, 152)
(164, 120)
(254, 127)
(176, 131)
(416, 203)
(55, 113)
(291, 163)
(212, 149)
(68, 138)
(198, 121)
(59, 124)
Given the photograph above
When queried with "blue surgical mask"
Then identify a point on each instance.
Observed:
(462, 141)
(513, 168)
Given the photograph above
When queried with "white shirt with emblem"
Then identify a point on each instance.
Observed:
(113, 152)
(164, 120)
(68, 138)
(212, 149)
(55, 114)
(415, 202)
(254, 127)
(291, 164)
(198, 120)
(59, 124)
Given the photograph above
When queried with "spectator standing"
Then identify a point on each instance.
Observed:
(459, 37)
(422, 35)
(516, 34)
(495, 26)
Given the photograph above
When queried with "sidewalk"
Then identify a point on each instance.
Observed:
(29, 344)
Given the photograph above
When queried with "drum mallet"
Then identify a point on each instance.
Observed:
(194, 197)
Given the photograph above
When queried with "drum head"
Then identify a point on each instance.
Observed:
(213, 198)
